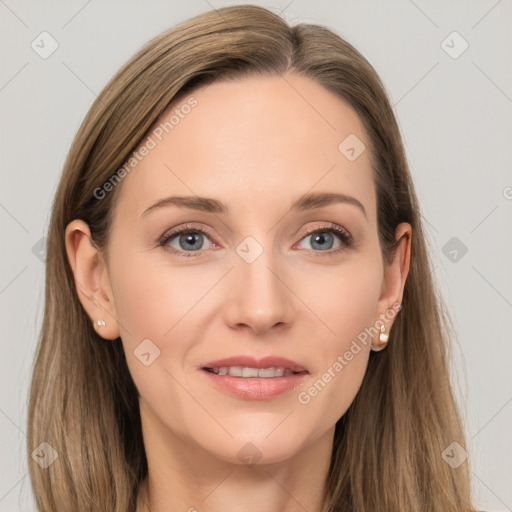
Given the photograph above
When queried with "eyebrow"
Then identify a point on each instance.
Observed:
(308, 201)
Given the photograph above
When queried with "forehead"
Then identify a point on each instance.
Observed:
(254, 143)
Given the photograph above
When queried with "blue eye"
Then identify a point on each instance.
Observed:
(322, 240)
(188, 240)
(324, 237)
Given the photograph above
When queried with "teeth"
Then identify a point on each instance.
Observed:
(264, 373)
(267, 372)
(249, 372)
(235, 371)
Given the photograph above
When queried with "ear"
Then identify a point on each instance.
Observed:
(395, 274)
(91, 279)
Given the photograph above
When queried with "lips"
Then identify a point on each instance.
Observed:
(250, 378)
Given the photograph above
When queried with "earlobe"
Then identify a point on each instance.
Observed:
(91, 279)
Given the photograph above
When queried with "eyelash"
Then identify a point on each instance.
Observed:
(344, 237)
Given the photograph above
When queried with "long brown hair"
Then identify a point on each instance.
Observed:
(387, 453)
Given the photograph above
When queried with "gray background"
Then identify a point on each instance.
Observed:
(455, 116)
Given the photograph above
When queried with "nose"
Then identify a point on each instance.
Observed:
(258, 298)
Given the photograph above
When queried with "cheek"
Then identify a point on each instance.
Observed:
(164, 304)
(152, 299)
(156, 303)
(341, 300)
(345, 300)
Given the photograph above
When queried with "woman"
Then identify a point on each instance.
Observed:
(239, 308)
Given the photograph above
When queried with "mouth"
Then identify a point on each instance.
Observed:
(255, 379)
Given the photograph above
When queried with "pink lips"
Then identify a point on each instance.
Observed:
(255, 388)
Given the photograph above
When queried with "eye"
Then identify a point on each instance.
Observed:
(187, 239)
(324, 237)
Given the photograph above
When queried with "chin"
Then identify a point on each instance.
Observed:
(258, 449)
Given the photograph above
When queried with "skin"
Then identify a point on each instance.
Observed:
(243, 142)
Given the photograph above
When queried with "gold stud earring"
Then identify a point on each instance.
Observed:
(383, 340)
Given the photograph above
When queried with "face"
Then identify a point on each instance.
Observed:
(263, 281)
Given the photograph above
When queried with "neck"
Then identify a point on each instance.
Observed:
(182, 476)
